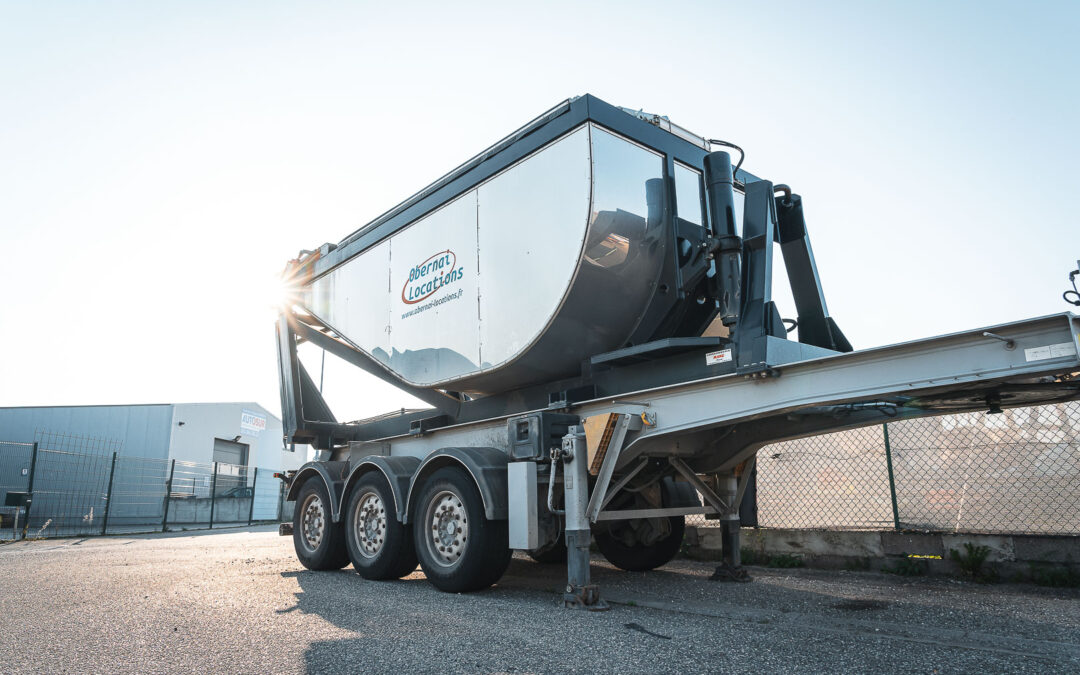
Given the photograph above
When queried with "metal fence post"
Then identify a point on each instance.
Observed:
(892, 481)
(168, 497)
(30, 488)
(251, 506)
(213, 494)
(108, 496)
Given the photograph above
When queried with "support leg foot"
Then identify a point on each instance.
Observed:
(731, 569)
(584, 597)
(726, 572)
(580, 593)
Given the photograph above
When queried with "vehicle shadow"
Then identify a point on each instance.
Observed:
(408, 623)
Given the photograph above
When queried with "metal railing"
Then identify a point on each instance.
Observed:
(57, 492)
(1015, 472)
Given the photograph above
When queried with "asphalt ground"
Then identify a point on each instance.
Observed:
(238, 601)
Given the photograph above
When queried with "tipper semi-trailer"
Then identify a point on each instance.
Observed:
(586, 307)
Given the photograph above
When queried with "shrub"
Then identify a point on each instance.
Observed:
(971, 562)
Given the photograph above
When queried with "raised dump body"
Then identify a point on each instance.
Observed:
(520, 278)
(587, 308)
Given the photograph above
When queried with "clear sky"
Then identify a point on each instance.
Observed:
(161, 161)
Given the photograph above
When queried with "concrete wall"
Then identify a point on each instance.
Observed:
(196, 512)
(845, 549)
(143, 429)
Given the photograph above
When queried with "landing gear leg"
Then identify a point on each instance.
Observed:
(731, 568)
(580, 592)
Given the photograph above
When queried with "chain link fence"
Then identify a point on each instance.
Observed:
(1016, 472)
(49, 490)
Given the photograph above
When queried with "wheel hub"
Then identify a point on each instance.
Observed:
(369, 524)
(449, 528)
(312, 522)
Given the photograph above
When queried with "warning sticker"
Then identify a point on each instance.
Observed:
(722, 356)
(1050, 352)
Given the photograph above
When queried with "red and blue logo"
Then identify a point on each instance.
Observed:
(430, 276)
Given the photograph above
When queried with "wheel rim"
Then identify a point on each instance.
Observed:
(312, 523)
(448, 528)
(369, 524)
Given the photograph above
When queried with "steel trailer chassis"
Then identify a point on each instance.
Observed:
(707, 430)
(687, 409)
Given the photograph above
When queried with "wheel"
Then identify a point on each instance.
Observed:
(644, 544)
(553, 553)
(319, 542)
(459, 550)
(637, 556)
(379, 546)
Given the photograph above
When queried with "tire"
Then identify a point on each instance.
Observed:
(449, 513)
(324, 546)
(379, 546)
(551, 554)
(638, 557)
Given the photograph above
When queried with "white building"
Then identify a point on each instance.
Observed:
(235, 433)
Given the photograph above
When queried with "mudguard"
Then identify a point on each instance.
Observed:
(487, 466)
(331, 473)
(398, 471)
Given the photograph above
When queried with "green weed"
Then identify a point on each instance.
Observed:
(971, 562)
(786, 561)
(1055, 576)
(907, 567)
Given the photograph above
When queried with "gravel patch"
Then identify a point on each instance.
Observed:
(238, 601)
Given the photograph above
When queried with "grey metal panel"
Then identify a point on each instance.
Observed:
(544, 128)
(556, 257)
(523, 507)
(143, 429)
(617, 273)
(451, 182)
(689, 413)
(355, 299)
(531, 228)
(952, 362)
(433, 295)
(780, 351)
(489, 433)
